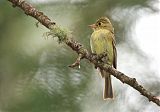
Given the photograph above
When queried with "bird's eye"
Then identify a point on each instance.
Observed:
(99, 23)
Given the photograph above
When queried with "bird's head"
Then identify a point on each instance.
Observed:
(102, 23)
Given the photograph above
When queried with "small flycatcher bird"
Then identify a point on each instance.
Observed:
(103, 40)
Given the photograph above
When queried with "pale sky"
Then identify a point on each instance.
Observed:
(147, 37)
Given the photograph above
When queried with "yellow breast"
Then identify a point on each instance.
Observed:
(101, 41)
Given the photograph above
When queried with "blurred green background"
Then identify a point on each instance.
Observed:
(34, 76)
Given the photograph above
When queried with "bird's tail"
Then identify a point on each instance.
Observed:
(108, 92)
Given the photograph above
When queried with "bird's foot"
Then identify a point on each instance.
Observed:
(103, 57)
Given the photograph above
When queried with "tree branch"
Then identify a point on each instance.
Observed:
(81, 51)
(77, 62)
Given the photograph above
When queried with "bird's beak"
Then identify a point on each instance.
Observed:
(93, 26)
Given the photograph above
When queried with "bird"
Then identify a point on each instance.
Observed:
(102, 40)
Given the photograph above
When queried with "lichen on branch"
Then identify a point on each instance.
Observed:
(56, 31)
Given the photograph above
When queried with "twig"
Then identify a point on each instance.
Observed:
(77, 62)
(43, 19)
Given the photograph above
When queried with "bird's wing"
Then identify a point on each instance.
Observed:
(114, 53)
